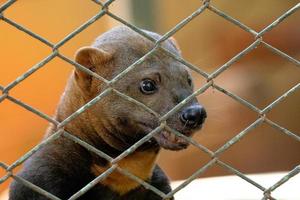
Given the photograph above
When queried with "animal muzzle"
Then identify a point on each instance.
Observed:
(191, 119)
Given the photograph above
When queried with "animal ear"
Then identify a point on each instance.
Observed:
(92, 58)
(175, 44)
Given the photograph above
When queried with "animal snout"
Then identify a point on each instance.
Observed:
(193, 116)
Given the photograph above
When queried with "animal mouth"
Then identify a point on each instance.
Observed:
(169, 140)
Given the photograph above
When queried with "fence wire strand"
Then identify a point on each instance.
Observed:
(215, 160)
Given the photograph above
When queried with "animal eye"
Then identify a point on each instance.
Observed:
(190, 82)
(148, 86)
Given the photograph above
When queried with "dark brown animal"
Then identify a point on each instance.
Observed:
(113, 124)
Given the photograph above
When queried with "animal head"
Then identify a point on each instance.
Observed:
(160, 82)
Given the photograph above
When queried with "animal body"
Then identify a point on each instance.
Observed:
(113, 124)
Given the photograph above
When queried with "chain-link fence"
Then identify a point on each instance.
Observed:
(207, 5)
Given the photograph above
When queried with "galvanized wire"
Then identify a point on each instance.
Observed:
(215, 160)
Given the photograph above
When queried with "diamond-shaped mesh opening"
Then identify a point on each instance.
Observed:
(26, 128)
(86, 37)
(197, 159)
(19, 57)
(214, 49)
(223, 120)
(270, 144)
(36, 91)
(251, 79)
(216, 155)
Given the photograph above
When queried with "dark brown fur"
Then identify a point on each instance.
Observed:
(113, 124)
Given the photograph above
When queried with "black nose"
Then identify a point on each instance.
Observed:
(193, 116)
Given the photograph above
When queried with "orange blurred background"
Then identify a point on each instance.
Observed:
(208, 42)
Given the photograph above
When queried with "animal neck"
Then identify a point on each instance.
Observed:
(71, 100)
(140, 164)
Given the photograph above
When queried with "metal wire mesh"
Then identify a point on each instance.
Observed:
(207, 5)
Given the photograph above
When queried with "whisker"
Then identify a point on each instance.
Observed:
(185, 124)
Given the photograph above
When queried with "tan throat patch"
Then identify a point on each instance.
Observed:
(140, 164)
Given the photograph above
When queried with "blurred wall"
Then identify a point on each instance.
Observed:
(260, 77)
